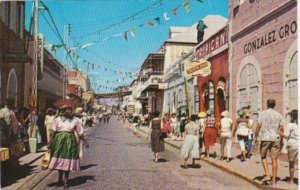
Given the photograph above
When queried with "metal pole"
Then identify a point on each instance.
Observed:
(35, 60)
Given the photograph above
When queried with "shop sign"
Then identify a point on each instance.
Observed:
(16, 58)
(197, 68)
(163, 86)
(215, 42)
(284, 31)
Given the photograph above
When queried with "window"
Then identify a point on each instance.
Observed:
(293, 83)
(211, 96)
(248, 89)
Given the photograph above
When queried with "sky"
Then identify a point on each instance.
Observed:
(100, 26)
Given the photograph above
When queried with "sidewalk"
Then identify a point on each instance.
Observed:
(250, 170)
(30, 167)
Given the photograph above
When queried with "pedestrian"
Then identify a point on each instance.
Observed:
(157, 142)
(226, 135)
(183, 121)
(100, 117)
(78, 115)
(108, 114)
(49, 120)
(190, 146)
(201, 123)
(174, 125)
(242, 131)
(250, 134)
(166, 124)
(33, 129)
(270, 122)
(135, 123)
(291, 134)
(63, 145)
(210, 134)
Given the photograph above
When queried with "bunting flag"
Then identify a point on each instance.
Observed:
(175, 11)
(126, 35)
(166, 16)
(87, 45)
(200, 1)
(157, 19)
(186, 7)
(93, 66)
(133, 32)
(151, 24)
(56, 47)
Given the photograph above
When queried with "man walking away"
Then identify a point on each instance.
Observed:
(269, 124)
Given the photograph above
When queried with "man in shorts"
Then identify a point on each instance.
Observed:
(270, 122)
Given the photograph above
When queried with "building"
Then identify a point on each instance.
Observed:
(151, 74)
(187, 90)
(50, 85)
(12, 51)
(79, 79)
(213, 51)
(264, 55)
(181, 41)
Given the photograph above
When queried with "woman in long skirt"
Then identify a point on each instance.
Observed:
(210, 134)
(157, 142)
(190, 146)
(64, 146)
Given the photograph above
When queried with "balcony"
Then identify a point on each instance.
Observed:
(172, 71)
(152, 82)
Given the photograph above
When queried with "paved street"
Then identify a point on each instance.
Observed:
(117, 159)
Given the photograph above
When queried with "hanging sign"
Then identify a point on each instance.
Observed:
(40, 50)
(163, 86)
(197, 68)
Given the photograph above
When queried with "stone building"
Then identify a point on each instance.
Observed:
(263, 55)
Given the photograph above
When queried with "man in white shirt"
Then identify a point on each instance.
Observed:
(269, 124)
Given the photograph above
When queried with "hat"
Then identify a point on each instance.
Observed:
(202, 114)
(209, 112)
(225, 114)
(49, 110)
(65, 106)
(78, 111)
(241, 112)
(83, 114)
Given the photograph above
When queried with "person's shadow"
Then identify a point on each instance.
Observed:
(87, 167)
(287, 179)
(75, 181)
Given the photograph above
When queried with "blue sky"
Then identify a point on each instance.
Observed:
(88, 20)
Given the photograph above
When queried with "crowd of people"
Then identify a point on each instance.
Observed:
(205, 129)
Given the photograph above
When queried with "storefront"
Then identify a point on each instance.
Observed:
(214, 87)
(264, 56)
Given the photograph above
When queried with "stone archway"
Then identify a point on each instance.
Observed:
(12, 85)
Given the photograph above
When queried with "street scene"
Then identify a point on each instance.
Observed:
(149, 94)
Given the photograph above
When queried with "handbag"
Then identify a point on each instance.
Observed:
(46, 160)
(163, 135)
(17, 149)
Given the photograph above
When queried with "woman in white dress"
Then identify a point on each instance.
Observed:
(190, 146)
(49, 119)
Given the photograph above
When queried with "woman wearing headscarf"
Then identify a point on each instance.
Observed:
(210, 134)
(242, 130)
(190, 146)
(64, 146)
(157, 142)
(226, 135)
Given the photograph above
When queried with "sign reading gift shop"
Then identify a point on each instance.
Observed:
(197, 68)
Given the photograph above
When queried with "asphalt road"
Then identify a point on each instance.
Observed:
(117, 159)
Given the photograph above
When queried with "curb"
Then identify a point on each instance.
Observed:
(48, 171)
(228, 170)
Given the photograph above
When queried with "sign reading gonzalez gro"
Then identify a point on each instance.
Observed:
(197, 68)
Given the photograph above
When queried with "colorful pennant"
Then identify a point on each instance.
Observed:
(186, 7)
(166, 17)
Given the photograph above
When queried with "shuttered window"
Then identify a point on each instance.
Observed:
(248, 89)
(211, 96)
(293, 83)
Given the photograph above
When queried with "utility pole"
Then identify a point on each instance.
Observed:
(67, 30)
(34, 92)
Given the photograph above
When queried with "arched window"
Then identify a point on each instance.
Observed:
(12, 87)
(221, 94)
(293, 83)
(248, 89)
(197, 109)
